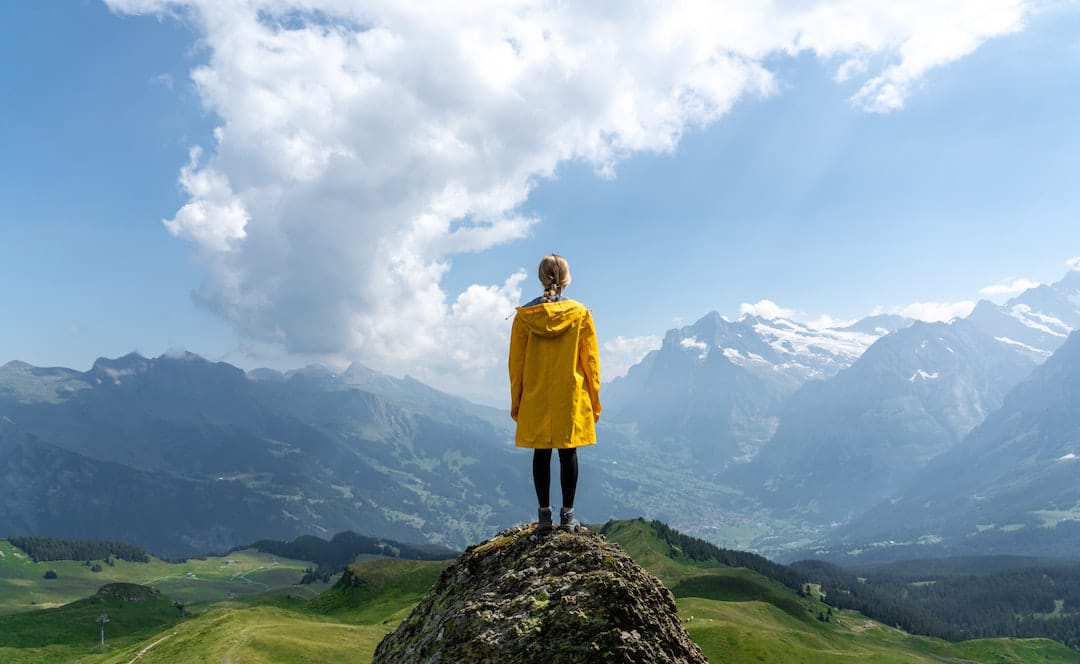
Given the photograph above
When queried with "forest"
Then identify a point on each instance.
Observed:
(42, 549)
(331, 557)
(933, 598)
(952, 598)
(698, 550)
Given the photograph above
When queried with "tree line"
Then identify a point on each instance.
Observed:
(42, 549)
(331, 557)
(932, 598)
(1024, 602)
(700, 551)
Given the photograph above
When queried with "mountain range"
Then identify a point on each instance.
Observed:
(809, 448)
(882, 437)
(184, 456)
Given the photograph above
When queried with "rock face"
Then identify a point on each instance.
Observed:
(527, 596)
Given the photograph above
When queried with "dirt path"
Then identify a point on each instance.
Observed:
(147, 649)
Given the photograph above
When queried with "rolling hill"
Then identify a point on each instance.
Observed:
(734, 613)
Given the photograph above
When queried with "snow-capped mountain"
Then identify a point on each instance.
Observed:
(713, 390)
(804, 352)
(848, 442)
(1037, 321)
(1009, 486)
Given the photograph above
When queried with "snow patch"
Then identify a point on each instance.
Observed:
(1013, 342)
(839, 347)
(735, 357)
(117, 374)
(1040, 322)
(923, 375)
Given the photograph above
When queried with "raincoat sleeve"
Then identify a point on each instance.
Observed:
(590, 362)
(519, 339)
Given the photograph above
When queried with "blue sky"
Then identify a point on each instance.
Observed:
(788, 186)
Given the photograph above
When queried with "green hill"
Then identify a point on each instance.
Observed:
(255, 635)
(378, 591)
(64, 633)
(238, 575)
(734, 613)
(739, 615)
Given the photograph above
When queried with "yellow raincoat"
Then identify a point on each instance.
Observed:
(554, 375)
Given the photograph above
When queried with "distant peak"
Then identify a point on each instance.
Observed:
(130, 360)
(1070, 282)
(182, 355)
(16, 365)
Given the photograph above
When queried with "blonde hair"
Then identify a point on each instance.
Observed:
(554, 273)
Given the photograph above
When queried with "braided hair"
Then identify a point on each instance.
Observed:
(554, 273)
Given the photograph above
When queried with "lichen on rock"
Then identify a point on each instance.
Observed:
(529, 596)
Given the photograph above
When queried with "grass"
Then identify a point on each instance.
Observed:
(242, 574)
(257, 635)
(378, 591)
(735, 615)
(72, 631)
(344, 624)
(760, 632)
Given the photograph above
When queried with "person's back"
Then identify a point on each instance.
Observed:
(554, 384)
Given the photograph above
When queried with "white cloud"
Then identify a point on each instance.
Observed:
(362, 145)
(937, 311)
(214, 217)
(766, 309)
(1009, 286)
(1073, 263)
(621, 353)
(827, 322)
(700, 346)
(960, 28)
(165, 80)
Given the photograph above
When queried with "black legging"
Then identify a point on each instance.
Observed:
(567, 475)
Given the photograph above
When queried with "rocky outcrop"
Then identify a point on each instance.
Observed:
(528, 596)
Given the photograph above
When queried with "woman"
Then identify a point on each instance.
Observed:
(554, 386)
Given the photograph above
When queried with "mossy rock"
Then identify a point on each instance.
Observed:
(530, 596)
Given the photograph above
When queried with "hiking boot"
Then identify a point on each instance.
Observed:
(543, 518)
(567, 521)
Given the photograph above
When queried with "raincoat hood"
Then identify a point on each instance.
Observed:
(551, 319)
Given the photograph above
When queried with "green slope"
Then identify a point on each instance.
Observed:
(378, 591)
(759, 632)
(241, 574)
(734, 614)
(256, 635)
(65, 633)
(737, 615)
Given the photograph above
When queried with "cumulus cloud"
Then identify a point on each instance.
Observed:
(621, 353)
(362, 145)
(700, 346)
(827, 322)
(766, 309)
(1009, 286)
(961, 28)
(937, 311)
(214, 217)
(1073, 263)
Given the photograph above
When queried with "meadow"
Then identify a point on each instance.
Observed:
(736, 615)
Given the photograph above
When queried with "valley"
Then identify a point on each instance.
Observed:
(735, 614)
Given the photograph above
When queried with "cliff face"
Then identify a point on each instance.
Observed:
(525, 596)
